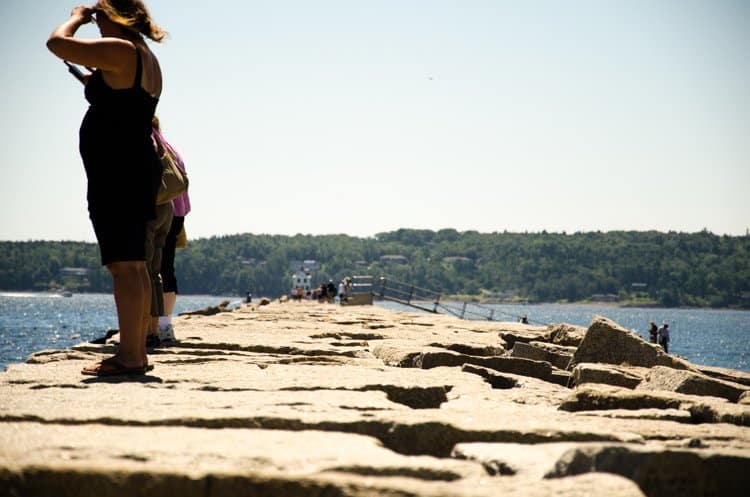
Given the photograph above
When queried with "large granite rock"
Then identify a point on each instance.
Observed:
(662, 473)
(712, 412)
(524, 334)
(688, 382)
(657, 469)
(725, 374)
(607, 342)
(556, 355)
(565, 334)
(525, 367)
(628, 377)
(429, 357)
(303, 399)
(601, 397)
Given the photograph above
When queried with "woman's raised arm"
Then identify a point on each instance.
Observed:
(107, 54)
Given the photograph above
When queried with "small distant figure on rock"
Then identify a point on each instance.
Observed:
(249, 298)
(663, 337)
(298, 294)
(320, 293)
(331, 291)
(652, 331)
(523, 319)
(345, 289)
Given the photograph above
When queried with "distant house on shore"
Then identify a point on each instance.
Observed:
(302, 278)
(394, 259)
(74, 277)
(77, 272)
(639, 288)
(604, 297)
(309, 264)
(302, 275)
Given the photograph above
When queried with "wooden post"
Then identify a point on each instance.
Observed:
(437, 303)
(463, 311)
(382, 287)
(411, 293)
(492, 314)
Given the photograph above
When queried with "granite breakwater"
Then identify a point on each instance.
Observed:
(302, 399)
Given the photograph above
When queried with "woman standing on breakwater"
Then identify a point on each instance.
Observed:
(122, 166)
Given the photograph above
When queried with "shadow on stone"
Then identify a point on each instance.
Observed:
(123, 379)
(494, 378)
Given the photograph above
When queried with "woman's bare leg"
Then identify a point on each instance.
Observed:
(132, 290)
(146, 310)
(170, 298)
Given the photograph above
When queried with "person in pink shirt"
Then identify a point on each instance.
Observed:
(181, 207)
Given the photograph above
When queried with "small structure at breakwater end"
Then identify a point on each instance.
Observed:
(305, 399)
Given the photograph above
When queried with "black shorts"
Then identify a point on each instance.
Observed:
(120, 240)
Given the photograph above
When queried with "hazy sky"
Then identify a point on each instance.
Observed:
(359, 117)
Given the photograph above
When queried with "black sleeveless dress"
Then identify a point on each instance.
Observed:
(122, 167)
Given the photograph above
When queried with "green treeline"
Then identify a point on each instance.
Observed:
(668, 269)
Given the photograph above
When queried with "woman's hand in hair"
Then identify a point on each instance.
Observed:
(83, 13)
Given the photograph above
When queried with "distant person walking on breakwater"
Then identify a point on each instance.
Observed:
(331, 292)
(176, 238)
(121, 164)
(652, 332)
(342, 291)
(663, 337)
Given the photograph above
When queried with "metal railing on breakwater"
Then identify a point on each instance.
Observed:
(430, 301)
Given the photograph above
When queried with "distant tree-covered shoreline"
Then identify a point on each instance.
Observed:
(667, 269)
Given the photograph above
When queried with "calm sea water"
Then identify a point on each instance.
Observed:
(30, 322)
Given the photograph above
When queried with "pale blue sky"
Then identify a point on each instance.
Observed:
(365, 116)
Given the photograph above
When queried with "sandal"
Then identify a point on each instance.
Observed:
(113, 367)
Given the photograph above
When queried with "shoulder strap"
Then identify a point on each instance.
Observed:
(138, 68)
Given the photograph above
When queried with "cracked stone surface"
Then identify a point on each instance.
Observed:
(303, 399)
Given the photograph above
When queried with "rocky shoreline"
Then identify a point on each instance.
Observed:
(302, 399)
